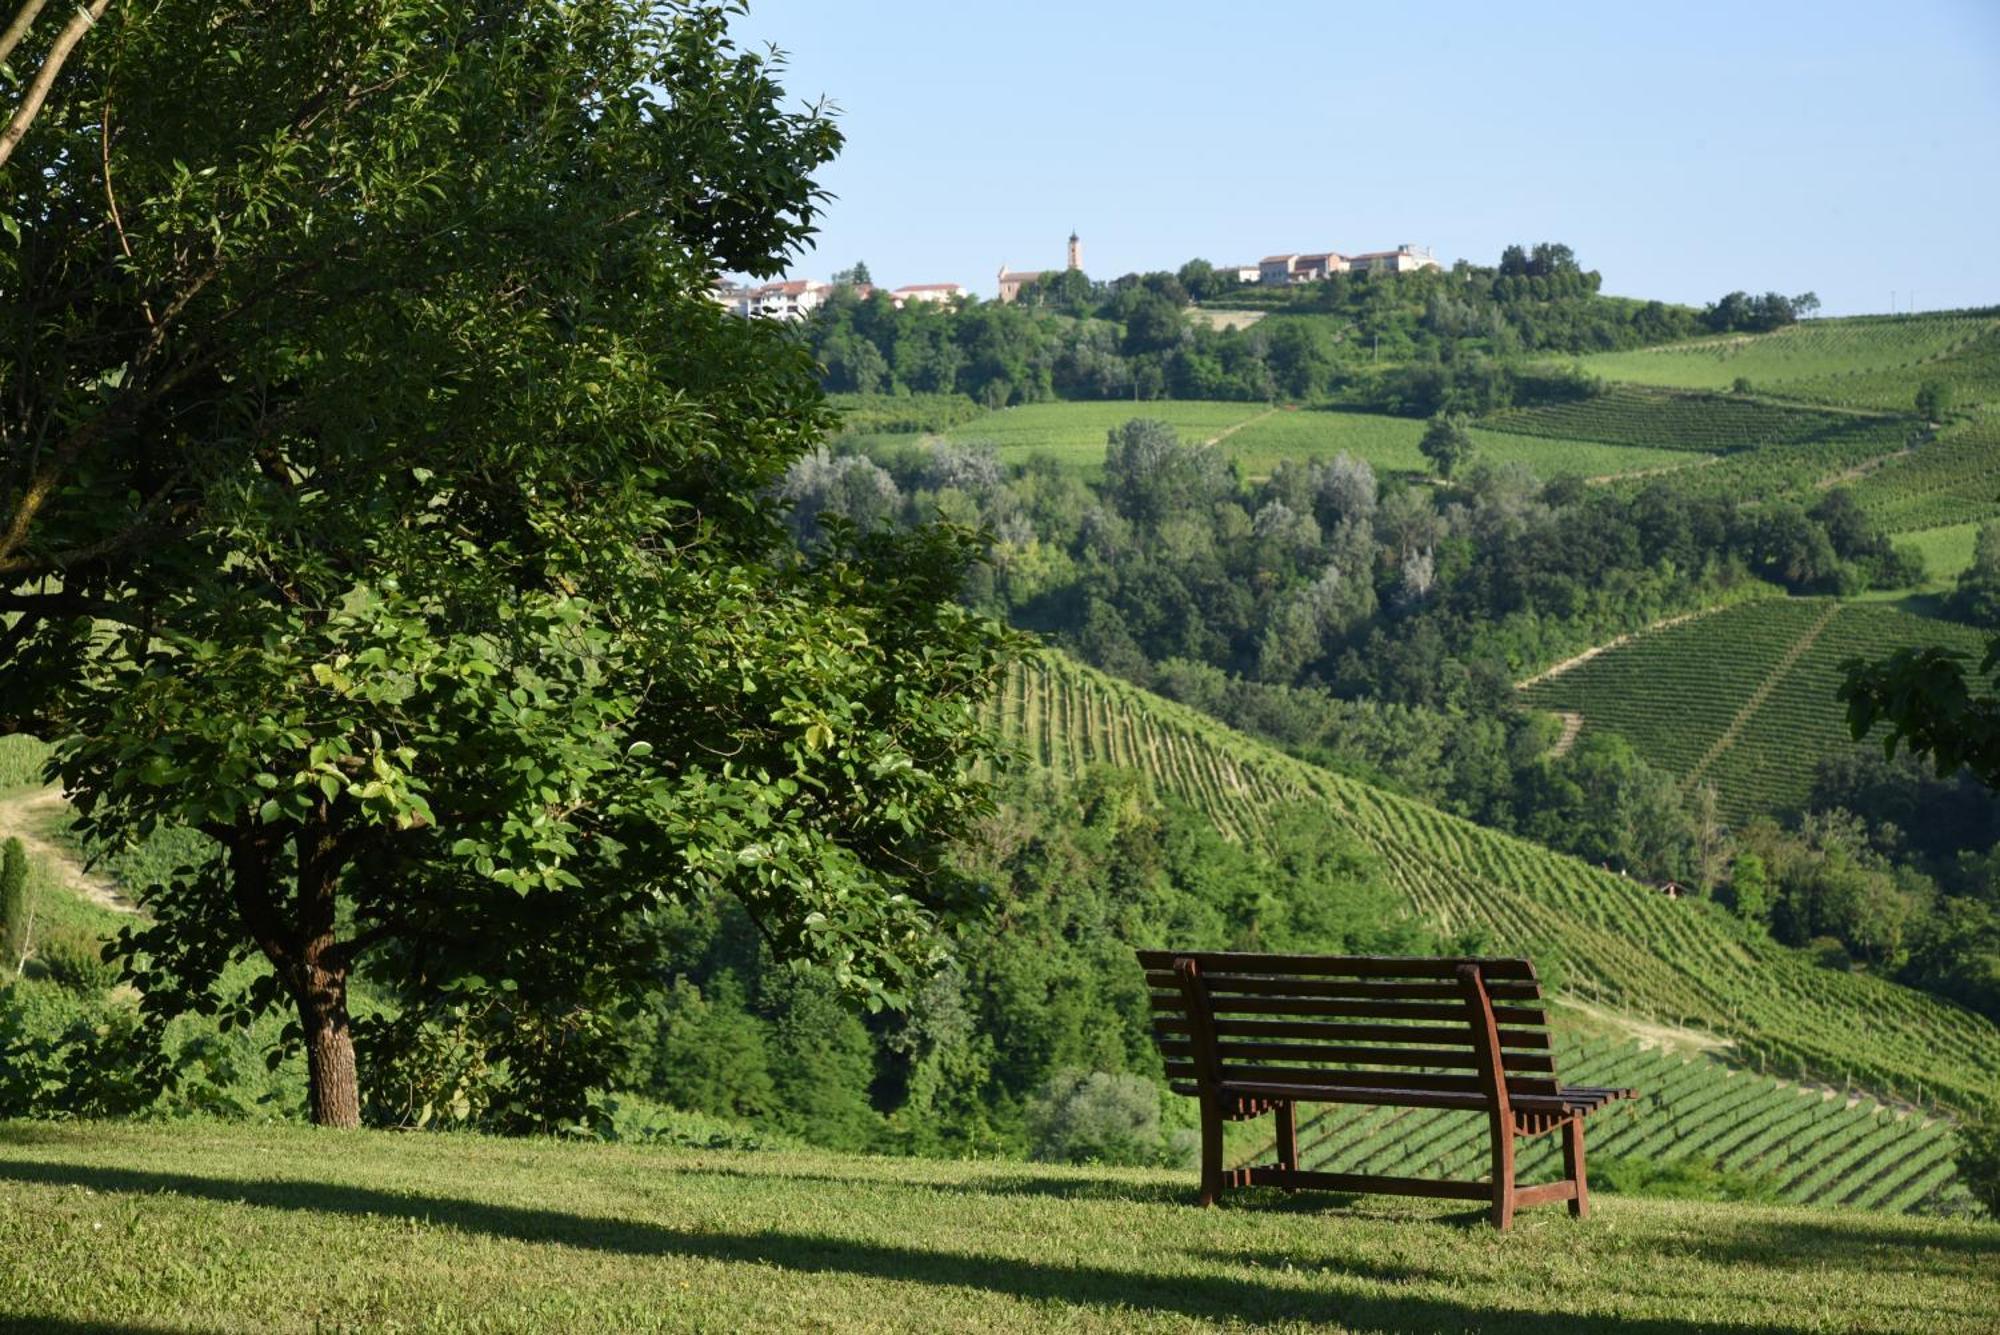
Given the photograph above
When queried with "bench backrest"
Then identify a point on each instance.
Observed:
(1353, 1021)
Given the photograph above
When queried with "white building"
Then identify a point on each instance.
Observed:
(1276, 270)
(939, 292)
(794, 299)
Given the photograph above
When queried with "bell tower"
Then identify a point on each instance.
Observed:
(1075, 251)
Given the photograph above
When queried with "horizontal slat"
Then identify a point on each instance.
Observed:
(1265, 1176)
(1232, 1051)
(1334, 1031)
(1359, 966)
(1327, 1079)
(1365, 1094)
(1379, 1010)
(1358, 989)
(1544, 1193)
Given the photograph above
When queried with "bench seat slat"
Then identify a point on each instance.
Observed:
(1379, 1010)
(1357, 989)
(1334, 1031)
(1232, 1051)
(1360, 966)
(1330, 1080)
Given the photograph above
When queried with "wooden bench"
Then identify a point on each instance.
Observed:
(1249, 1034)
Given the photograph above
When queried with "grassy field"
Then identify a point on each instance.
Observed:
(1259, 438)
(1860, 348)
(128, 1228)
(1603, 940)
(1073, 433)
(1946, 551)
(1743, 698)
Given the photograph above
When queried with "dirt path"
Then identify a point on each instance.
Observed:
(24, 817)
(1703, 462)
(1757, 697)
(1617, 643)
(1229, 431)
(1673, 1038)
(1572, 725)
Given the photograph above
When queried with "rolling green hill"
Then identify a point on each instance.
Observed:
(1600, 939)
(1953, 478)
(115, 1228)
(1743, 698)
(1846, 360)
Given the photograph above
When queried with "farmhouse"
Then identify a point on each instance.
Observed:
(942, 292)
(1277, 270)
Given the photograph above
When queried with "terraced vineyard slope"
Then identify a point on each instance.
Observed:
(1811, 1146)
(1863, 353)
(1744, 699)
(1952, 479)
(1678, 420)
(1597, 937)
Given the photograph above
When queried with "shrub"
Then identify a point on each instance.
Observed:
(1694, 1178)
(1097, 1117)
(75, 958)
(15, 909)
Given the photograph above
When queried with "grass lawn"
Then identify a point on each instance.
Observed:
(1074, 432)
(1946, 551)
(1259, 438)
(123, 1227)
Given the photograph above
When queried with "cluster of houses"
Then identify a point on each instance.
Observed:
(800, 297)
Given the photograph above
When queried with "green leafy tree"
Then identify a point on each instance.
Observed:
(382, 496)
(1977, 597)
(1750, 887)
(1934, 400)
(16, 912)
(1447, 443)
(1927, 700)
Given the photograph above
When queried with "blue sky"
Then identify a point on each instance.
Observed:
(1683, 150)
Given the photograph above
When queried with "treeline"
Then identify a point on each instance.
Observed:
(1345, 338)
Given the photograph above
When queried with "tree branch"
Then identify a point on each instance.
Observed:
(38, 91)
(17, 28)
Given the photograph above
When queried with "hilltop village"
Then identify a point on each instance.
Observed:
(796, 298)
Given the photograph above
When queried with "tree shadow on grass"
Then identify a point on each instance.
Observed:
(1973, 1252)
(1201, 1296)
(12, 1324)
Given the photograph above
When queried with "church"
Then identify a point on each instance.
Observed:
(1013, 280)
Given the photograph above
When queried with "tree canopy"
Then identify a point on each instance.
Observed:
(382, 495)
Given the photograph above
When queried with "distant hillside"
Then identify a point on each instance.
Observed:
(1743, 698)
(1599, 938)
(1873, 361)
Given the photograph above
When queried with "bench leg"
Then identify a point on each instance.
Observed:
(1503, 1170)
(1211, 1153)
(1288, 1136)
(1579, 1205)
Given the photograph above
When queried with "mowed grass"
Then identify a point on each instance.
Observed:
(1074, 433)
(1258, 438)
(1862, 345)
(1946, 551)
(121, 1227)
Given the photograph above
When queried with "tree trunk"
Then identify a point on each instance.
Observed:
(332, 1090)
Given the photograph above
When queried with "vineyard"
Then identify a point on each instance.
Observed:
(1597, 937)
(1797, 470)
(1744, 699)
(1806, 1146)
(1954, 479)
(1872, 350)
(1972, 371)
(1703, 423)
